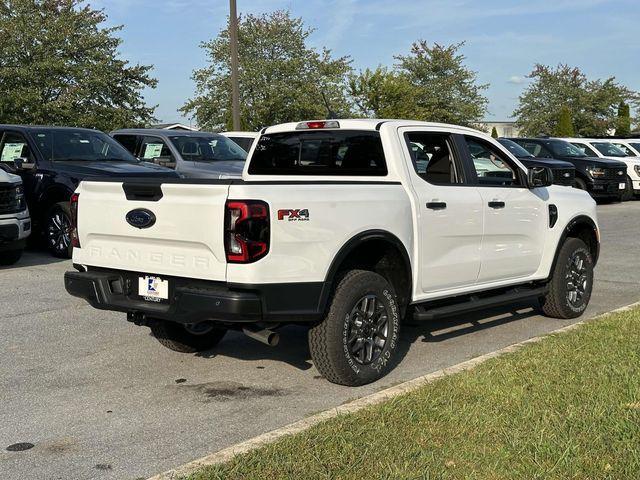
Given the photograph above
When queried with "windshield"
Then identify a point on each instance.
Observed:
(515, 149)
(80, 145)
(608, 149)
(211, 148)
(560, 148)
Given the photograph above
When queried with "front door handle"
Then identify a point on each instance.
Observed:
(436, 205)
(496, 204)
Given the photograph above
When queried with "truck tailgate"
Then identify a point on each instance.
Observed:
(186, 239)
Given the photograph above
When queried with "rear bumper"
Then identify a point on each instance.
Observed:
(193, 301)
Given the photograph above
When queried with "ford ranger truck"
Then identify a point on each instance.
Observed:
(336, 225)
(15, 224)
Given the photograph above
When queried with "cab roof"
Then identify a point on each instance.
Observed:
(370, 124)
(162, 132)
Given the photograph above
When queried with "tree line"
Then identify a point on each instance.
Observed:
(59, 64)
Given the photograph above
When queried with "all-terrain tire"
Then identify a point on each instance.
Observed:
(176, 337)
(10, 257)
(329, 343)
(557, 302)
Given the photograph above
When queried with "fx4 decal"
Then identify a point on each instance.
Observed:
(298, 215)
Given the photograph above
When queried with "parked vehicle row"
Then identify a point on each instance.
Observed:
(603, 178)
(348, 226)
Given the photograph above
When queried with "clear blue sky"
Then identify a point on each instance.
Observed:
(504, 37)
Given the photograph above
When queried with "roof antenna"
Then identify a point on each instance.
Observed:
(330, 113)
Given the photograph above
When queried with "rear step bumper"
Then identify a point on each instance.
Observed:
(188, 304)
(193, 301)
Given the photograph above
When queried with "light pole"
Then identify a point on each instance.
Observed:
(233, 44)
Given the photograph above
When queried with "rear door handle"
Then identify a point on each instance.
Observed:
(495, 204)
(436, 205)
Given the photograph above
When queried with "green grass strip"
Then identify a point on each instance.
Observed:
(567, 407)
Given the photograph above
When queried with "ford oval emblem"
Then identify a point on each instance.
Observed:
(141, 218)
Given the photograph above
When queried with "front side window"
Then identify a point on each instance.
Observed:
(491, 165)
(433, 158)
(79, 145)
(562, 148)
(328, 152)
(585, 149)
(636, 146)
(14, 146)
(213, 148)
(628, 152)
(609, 149)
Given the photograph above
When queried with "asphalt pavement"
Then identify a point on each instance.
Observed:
(99, 398)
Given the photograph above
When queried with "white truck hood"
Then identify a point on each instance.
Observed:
(6, 177)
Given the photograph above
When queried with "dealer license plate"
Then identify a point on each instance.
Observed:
(153, 289)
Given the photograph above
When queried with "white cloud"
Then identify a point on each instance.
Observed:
(517, 80)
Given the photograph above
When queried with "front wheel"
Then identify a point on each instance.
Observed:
(579, 184)
(571, 281)
(628, 191)
(187, 338)
(58, 230)
(357, 342)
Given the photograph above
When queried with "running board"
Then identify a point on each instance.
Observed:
(427, 311)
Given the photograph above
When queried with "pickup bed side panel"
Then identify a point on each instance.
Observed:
(186, 239)
(303, 247)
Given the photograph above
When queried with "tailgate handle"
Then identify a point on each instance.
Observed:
(142, 192)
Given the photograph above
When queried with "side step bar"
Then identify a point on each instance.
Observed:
(427, 311)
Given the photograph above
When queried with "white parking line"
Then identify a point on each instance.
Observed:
(228, 453)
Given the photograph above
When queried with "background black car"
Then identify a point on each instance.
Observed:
(602, 178)
(564, 173)
(52, 161)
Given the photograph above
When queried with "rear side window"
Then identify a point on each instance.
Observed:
(334, 153)
(244, 142)
(128, 141)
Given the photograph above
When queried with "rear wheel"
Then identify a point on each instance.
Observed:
(58, 230)
(571, 282)
(10, 257)
(189, 338)
(357, 342)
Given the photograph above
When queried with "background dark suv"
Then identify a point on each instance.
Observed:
(52, 161)
(602, 178)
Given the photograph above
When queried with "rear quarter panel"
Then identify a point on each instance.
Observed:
(303, 250)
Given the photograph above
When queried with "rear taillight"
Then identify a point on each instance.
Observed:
(73, 204)
(246, 237)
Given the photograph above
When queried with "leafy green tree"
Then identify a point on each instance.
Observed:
(281, 78)
(430, 83)
(564, 127)
(60, 65)
(494, 132)
(593, 103)
(623, 127)
(383, 93)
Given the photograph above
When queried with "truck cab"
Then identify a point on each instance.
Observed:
(347, 226)
(191, 154)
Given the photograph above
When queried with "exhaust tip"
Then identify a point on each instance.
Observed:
(266, 336)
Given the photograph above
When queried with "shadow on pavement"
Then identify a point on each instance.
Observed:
(293, 348)
(33, 257)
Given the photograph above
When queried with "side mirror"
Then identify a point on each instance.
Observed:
(539, 177)
(22, 163)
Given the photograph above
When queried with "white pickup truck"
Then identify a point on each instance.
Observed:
(349, 226)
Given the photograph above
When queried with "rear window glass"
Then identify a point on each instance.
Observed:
(346, 152)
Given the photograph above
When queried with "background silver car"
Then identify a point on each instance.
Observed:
(191, 154)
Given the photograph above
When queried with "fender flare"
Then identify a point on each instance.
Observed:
(575, 221)
(352, 244)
